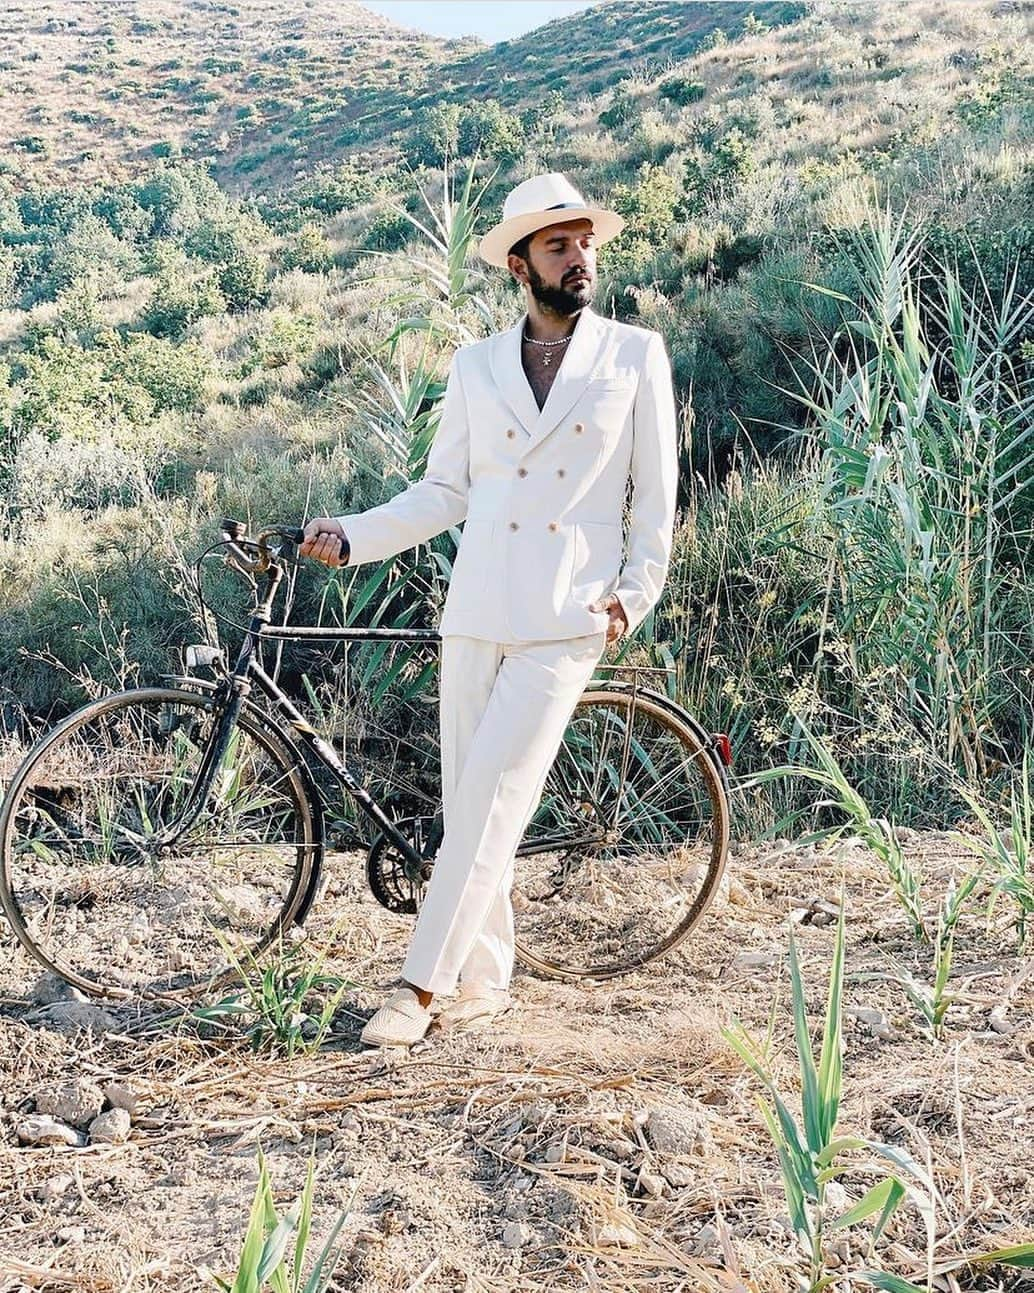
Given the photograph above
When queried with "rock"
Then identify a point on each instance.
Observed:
(51, 988)
(111, 1128)
(617, 1236)
(676, 1132)
(679, 1176)
(120, 1096)
(554, 1154)
(837, 1197)
(71, 1234)
(706, 1240)
(653, 1184)
(739, 895)
(54, 1186)
(754, 960)
(77, 1102)
(536, 1112)
(516, 1234)
(41, 1129)
(998, 1022)
(71, 1016)
(620, 1149)
(876, 1022)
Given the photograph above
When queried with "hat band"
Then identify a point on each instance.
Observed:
(557, 205)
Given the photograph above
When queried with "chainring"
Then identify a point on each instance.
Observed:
(385, 865)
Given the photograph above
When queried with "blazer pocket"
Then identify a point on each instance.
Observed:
(470, 568)
(597, 559)
(611, 383)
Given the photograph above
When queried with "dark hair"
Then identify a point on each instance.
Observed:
(522, 246)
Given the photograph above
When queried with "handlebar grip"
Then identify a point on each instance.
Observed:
(234, 529)
(293, 533)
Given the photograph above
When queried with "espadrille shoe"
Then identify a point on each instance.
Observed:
(475, 1005)
(401, 1021)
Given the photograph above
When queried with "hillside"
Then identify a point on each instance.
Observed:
(261, 89)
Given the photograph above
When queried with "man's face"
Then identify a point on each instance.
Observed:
(562, 266)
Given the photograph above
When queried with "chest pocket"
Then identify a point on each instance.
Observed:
(607, 402)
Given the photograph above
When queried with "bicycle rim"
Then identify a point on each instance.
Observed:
(110, 881)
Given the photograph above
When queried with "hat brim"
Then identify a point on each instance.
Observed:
(495, 245)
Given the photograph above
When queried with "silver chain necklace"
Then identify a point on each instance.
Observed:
(547, 358)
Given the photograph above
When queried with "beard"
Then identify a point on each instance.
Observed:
(563, 300)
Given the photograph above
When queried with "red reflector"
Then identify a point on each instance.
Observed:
(724, 747)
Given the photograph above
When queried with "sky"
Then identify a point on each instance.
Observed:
(492, 20)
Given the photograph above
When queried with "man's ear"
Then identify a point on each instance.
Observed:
(517, 268)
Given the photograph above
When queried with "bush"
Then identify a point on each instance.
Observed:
(180, 297)
(681, 90)
(309, 251)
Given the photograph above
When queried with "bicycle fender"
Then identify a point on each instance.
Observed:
(680, 712)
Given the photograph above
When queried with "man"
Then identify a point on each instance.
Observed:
(542, 426)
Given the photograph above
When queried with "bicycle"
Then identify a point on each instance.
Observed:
(156, 835)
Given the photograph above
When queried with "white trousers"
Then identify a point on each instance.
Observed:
(504, 707)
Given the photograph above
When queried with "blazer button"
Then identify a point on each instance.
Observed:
(510, 433)
(579, 427)
(560, 471)
(522, 471)
(513, 525)
(552, 525)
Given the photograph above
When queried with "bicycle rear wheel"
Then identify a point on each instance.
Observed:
(112, 880)
(627, 845)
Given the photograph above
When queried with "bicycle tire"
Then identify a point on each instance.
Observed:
(560, 933)
(69, 880)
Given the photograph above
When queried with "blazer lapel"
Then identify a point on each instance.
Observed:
(576, 367)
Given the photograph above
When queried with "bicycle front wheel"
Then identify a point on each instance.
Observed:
(627, 845)
(116, 878)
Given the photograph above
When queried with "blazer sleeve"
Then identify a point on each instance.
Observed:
(431, 504)
(654, 471)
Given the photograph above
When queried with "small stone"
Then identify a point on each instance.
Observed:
(73, 1016)
(111, 1128)
(705, 1241)
(554, 1154)
(536, 1112)
(739, 895)
(679, 1176)
(120, 1096)
(54, 1186)
(653, 1184)
(516, 1234)
(76, 1103)
(71, 1234)
(837, 1197)
(51, 988)
(675, 1131)
(998, 1022)
(754, 960)
(617, 1237)
(620, 1148)
(41, 1129)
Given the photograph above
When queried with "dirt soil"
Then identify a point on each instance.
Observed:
(598, 1137)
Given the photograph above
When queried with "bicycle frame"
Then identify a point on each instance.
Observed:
(236, 687)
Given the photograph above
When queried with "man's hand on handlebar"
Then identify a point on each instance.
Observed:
(325, 541)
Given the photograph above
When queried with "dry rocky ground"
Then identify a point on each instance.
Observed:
(601, 1137)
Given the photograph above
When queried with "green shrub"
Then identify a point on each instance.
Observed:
(681, 90)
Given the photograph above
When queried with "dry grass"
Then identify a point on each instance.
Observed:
(540, 1120)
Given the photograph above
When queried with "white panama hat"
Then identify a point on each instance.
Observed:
(543, 200)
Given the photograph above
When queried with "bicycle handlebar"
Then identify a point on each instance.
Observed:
(235, 533)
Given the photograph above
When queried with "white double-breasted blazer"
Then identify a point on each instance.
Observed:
(542, 493)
